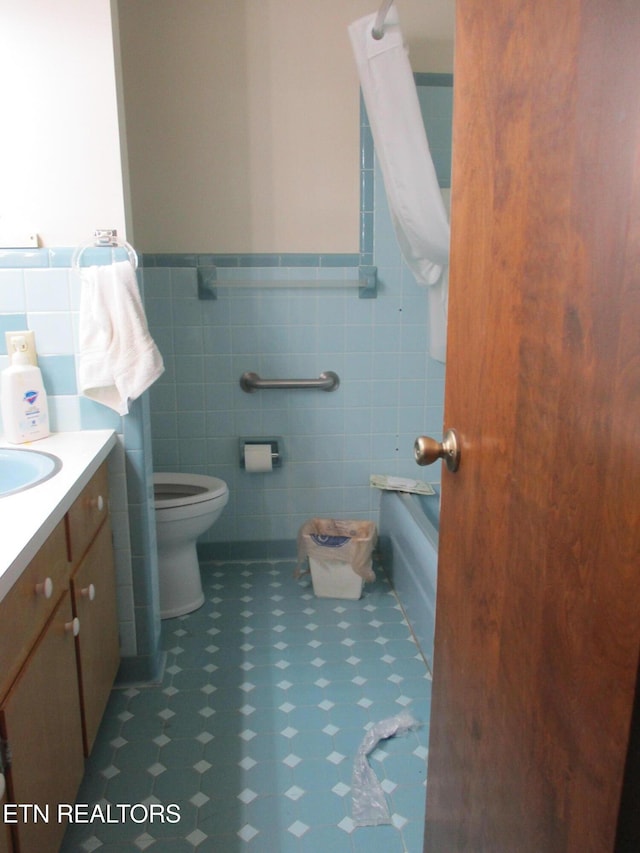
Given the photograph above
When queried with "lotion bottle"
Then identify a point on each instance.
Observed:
(25, 412)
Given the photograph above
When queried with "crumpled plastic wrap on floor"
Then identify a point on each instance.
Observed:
(369, 804)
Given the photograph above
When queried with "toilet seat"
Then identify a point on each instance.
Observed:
(178, 490)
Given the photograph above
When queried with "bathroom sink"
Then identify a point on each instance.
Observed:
(21, 469)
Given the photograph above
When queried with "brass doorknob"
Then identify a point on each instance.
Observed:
(427, 450)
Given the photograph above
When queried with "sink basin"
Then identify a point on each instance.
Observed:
(21, 469)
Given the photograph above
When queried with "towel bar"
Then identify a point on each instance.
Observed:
(104, 238)
(327, 381)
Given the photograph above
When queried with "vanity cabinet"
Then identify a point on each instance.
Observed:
(59, 653)
(41, 722)
(93, 589)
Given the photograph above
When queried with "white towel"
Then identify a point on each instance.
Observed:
(118, 358)
(415, 201)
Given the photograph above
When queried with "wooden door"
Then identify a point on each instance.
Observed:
(538, 603)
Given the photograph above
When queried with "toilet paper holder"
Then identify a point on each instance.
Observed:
(276, 457)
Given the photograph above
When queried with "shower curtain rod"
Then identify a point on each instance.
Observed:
(378, 26)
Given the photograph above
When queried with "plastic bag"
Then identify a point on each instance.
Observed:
(369, 804)
(350, 542)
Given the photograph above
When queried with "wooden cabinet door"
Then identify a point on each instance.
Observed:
(98, 648)
(40, 718)
(26, 608)
(88, 512)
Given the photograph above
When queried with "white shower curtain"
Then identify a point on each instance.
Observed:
(415, 201)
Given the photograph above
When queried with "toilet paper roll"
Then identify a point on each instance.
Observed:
(257, 458)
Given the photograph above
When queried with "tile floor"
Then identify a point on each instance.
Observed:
(267, 694)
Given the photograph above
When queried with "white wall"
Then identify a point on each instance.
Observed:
(242, 119)
(60, 168)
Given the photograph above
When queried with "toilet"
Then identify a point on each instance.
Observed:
(186, 505)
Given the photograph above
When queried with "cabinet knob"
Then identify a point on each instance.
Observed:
(45, 588)
(88, 592)
(73, 627)
(98, 503)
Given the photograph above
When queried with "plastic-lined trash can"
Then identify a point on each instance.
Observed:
(339, 555)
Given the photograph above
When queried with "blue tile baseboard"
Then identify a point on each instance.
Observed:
(277, 549)
(141, 669)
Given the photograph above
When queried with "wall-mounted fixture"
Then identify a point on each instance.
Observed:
(327, 381)
(259, 455)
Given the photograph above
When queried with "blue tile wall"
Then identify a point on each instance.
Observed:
(390, 389)
(435, 93)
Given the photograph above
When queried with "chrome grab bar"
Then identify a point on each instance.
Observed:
(327, 381)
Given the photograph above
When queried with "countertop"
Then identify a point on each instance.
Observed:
(28, 518)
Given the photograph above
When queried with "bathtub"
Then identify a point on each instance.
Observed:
(408, 547)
